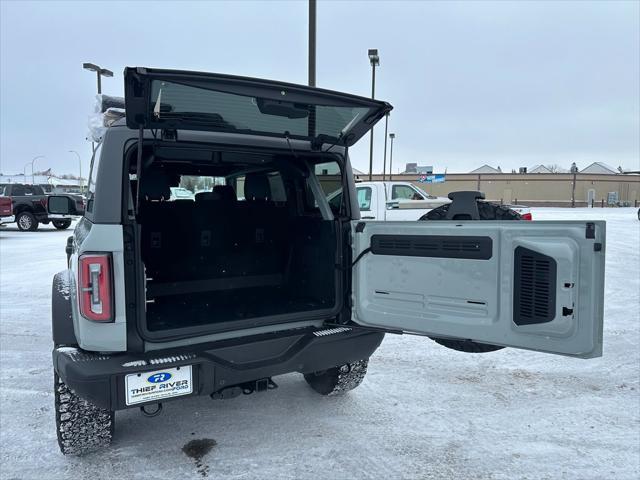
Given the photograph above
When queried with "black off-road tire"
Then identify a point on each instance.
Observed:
(338, 380)
(487, 211)
(61, 224)
(26, 222)
(81, 426)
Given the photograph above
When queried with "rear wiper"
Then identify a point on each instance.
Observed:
(319, 140)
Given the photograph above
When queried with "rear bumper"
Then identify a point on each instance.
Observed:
(100, 378)
(9, 219)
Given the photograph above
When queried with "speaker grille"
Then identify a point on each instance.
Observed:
(534, 299)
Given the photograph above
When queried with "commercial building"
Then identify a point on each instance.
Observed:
(592, 186)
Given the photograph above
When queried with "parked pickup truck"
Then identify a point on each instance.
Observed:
(29, 207)
(401, 201)
(391, 201)
(6, 211)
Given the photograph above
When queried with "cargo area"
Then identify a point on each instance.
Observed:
(235, 244)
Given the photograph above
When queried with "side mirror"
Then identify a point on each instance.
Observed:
(392, 204)
(59, 205)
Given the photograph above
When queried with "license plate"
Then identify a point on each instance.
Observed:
(158, 385)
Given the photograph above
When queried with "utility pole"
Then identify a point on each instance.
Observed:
(312, 43)
(384, 161)
(374, 59)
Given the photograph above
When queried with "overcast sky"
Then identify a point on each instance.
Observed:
(505, 83)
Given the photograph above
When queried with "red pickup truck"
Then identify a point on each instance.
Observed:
(6, 210)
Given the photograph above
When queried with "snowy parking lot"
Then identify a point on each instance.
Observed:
(423, 411)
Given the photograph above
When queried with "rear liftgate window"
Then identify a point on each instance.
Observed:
(243, 113)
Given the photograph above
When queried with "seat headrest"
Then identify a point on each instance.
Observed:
(155, 185)
(256, 187)
(226, 193)
(207, 196)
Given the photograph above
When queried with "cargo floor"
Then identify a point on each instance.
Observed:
(189, 310)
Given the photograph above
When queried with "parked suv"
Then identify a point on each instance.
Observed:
(259, 275)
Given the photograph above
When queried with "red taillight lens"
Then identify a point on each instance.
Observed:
(526, 216)
(95, 288)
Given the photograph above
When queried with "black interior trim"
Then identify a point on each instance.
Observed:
(433, 246)
(213, 284)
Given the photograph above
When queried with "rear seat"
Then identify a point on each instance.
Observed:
(263, 233)
(164, 233)
(213, 234)
(193, 246)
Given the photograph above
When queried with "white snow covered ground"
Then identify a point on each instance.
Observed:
(423, 411)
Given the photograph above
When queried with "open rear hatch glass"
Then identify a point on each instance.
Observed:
(171, 99)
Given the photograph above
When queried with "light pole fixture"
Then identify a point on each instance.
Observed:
(100, 72)
(33, 178)
(384, 161)
(391, 136)
(80, 165)
(374, 59)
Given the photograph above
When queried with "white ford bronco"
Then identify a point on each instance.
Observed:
(260, 275)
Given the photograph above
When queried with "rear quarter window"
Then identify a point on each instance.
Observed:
(18, 190)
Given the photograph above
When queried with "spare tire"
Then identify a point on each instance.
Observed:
(487, 211)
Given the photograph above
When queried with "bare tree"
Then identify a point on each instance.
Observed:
(553, 168)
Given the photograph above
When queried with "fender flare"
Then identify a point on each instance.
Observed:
(61, 312)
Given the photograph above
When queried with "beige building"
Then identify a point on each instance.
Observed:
(536, 189)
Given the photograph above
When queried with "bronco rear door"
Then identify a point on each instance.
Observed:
(171, 99)
(531, 285)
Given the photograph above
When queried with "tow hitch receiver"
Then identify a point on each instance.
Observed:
(248, 388)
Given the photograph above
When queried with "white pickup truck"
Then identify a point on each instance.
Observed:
(391, 200)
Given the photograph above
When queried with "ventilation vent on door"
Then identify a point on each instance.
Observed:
(534, 298)
(440, 246)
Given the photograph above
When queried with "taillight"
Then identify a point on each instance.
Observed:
(95, 288)
(527, 216)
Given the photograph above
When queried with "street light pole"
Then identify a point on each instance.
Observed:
(384, 161)
(80, 165)
(33, 178)
(100, 72)
(391, 136)
(312, 43)
(374, 59)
